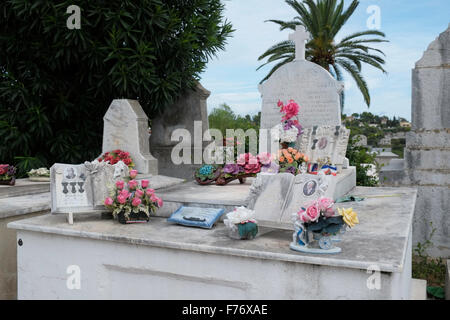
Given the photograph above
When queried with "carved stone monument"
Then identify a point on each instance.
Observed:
(126, 127)
(310, 85)
(325, 144)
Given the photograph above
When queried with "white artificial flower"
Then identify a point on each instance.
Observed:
(239, 215)
(288, 135)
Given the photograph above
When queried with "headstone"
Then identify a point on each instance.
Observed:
(83, 188)
(71, 189)
(310, 85)
(190, 113)
(325, 144)
(427, 156)
(126, 128)
(275, 197)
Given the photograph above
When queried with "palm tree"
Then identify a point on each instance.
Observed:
(323, 19)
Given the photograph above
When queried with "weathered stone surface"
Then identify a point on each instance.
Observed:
(24, 187)
(447, 281)
(427, 153)
(183, 114)
(431, 86)
(311, 86)
(126, 128)
(16, 206)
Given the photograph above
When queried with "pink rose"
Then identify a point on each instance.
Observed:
(265, 158)
(139, 193)
(324, 203)
(122, 199)
(132, 184)
(313, 212)
(136, 202)
(154, 198)
(290, 110)
(133, 173)
(149, 192)
(329, 212)
(120, 184)
(144, 183)
(108, 201)
(160, 202)
(124, 193)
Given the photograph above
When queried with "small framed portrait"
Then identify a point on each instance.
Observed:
(323, 142)
(309, 188)
(70, 173)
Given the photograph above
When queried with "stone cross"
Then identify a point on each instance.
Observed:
(299, 37)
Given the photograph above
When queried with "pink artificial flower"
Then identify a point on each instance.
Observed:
(149, 192)
(136, 202)
(144, 183)
(252, 168)
(265, 158)
(139, 193)
(324, 203)
(160, 202)
(132, 184)
(313, 212)
(108, 201)
(133, 173)
(304, 217)
(242, 158)
(329, 212)
(290, 110)
(154, 198)
(120, 184)
(122, 199)
(124, 193)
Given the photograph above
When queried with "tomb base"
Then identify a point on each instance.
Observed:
(179, 262)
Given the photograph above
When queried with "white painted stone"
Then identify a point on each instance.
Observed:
(188, 263)
(126, 128)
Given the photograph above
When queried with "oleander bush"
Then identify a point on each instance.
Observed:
(56, 83)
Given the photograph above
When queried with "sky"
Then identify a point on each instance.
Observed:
(409, 25)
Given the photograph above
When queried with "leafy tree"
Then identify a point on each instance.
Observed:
(360, 157)
(56, 83)
(324, 19)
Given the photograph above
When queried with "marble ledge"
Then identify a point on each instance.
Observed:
(381, 238)
(16, 206)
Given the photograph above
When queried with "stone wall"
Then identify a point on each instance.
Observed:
(427, 152)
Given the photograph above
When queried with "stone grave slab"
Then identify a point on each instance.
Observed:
(126, 128)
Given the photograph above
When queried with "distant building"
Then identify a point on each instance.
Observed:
(384, 120)
(405, 124)
(373, 125)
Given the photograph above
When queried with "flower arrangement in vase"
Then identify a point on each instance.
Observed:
(290, 129)
(39, 175)
(241, 224)
(7, 174)
(117, 155)
(317, 226)
(291, 160)
(133, 202)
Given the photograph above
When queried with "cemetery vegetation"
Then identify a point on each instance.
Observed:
(56, 83)
(324, 19)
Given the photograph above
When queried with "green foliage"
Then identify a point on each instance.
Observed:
(398, 146)
(424, 267)
(323, 19)
(56, 84)
(358, 156)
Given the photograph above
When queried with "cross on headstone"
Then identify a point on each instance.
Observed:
(299, 37)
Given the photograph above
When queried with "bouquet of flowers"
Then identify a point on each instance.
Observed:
(241, 223)
(207, 173)
(7, 174)
(289, 130)
(290, 160)
(117, 155)
(320, 217)
(41, 174)
(132, 200)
